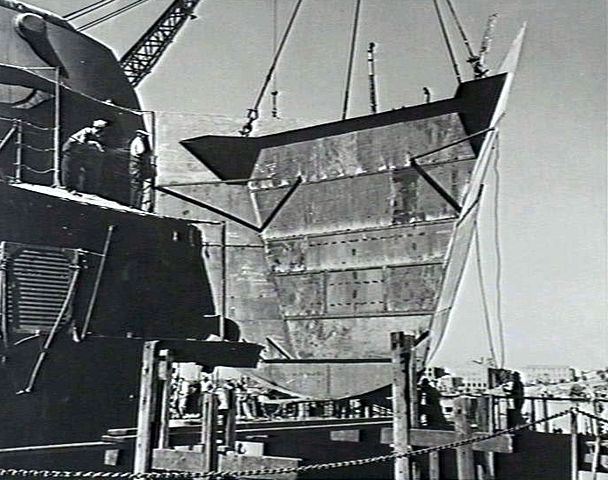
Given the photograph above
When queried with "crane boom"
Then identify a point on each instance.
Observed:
(147, 51)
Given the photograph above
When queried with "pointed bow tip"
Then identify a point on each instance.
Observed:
(509, 63)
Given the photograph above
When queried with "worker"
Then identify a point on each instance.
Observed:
(81, 162)
(140, 166)
(515, 391)
(429, 401)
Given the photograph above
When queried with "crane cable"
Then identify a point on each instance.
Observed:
(447, 42)
(353, 42)
(87, 9)
(111, 15)
(484, 299)
(498, 253)
(253, 113)
(275, 91)
(461, 30)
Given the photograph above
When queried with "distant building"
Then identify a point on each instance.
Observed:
(473, 376)
(450, 384)
(434, 373)
(547, 373)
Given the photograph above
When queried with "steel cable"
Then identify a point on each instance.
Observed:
(111, 15)
(87, 9)
(349, 71)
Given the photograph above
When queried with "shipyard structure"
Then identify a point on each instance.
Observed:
(323, 261)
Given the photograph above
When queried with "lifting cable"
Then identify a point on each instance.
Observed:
(275, 91)
(111, 15)
(253, 113)
(87, 9)
(461, 30)
(353, 43)
(498, 253)
(447, 42)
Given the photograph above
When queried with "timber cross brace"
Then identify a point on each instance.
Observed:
(153, 445)
(406, 432)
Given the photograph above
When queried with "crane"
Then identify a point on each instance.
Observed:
(139, 60)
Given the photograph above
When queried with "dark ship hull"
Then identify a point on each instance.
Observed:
(84, 279)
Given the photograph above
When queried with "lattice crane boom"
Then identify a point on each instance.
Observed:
(147, 51)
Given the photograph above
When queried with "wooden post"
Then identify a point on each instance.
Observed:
(209, 430)
(164, 374)
(533, 413)
(147, 408)
(230, 421)
(402, 356)
(545, 410)
(464, 454)
(434, 468)
(574, 445)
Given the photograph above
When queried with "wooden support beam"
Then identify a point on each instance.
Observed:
(545, 410)
(573, 445)
(147, 408)
(230, 421)
(402, 354)
(464, 454)
(209, 431)
(164, 375)
(434, 466)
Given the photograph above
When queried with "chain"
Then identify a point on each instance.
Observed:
(232, 475)
(590, 415)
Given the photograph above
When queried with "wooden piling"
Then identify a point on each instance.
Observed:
(574, 445)
(545, 410)
(464, 454)
(147, 408)
(164, 375)
(402, 356)
(209, 430)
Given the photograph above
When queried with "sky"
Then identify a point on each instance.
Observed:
(551, 181)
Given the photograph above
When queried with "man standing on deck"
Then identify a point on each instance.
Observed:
(81, 160)
(140, 166)
(515, 391)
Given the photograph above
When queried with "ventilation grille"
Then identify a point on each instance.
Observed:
(37, 281)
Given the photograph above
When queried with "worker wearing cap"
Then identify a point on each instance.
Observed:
(140, 166)
(81, 163)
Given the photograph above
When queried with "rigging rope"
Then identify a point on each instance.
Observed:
(275, 91)
(461, 29)
(87, 9)
(111, 15)
(447, 42)
(349, 72)
(501, 330)
(252, 113)
(484, 299)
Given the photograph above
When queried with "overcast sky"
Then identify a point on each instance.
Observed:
(552, 167)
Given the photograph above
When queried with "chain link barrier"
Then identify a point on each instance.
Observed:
(235, 475)
(590, 415)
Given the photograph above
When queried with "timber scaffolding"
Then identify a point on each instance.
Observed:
(219, 448)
